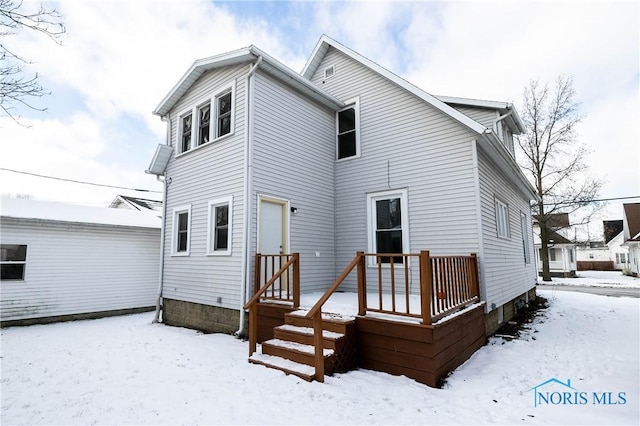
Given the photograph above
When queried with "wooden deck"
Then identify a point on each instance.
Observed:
(424, 342)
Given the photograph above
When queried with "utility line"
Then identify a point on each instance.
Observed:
(591, 201)
(78, 181)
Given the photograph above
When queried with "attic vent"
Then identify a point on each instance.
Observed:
(329, 72)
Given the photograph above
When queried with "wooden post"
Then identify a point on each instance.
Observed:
(253, 328)
(296, 280)
(362, 283)
(319, 346)
(256, 273)
(425, 286)
(475, 281)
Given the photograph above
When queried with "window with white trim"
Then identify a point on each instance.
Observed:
(181, 234)
(210, 120)
(13, 262)
(502, 219)
(348, 131)
(525, 237)
(388, 224)
(220, 226)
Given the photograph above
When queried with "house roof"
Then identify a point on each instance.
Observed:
(71, 213)
(611, 229)
(555, 238)
(240, 56)
(632, 217)
(557, 221)
(136, 203)
(323, 46)
(504, 108)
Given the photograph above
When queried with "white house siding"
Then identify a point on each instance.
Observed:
(405, 143)
(78, 269)
(484, 116)
(293, 158)
(505, 272)
(210, 172)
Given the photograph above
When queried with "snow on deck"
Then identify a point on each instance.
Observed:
(62, 212)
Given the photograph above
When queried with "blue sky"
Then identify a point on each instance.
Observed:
(119, 59)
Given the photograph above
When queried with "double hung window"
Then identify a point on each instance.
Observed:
(210, 120)
(181, 231)
(220, 226)
(13, 261)
(348, 131)
(502, 219)
(388, 224)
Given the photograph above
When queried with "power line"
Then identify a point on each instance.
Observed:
(78, 181)
(592, 201)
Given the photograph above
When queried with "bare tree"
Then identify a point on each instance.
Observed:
(552, 157)
(17, 88)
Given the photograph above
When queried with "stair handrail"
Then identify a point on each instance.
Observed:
(251, 304)
(316, 313)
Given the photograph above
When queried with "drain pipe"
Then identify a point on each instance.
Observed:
(246, 222)
(165, 184)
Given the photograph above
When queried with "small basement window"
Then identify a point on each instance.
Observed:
(13, 261)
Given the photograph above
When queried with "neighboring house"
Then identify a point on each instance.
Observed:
(631, 234)
(619, 253)
(135, 203)
(62, 261)
(562, 251)
(344, 157)
(591, 251)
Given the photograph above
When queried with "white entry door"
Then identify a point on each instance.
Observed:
(272, 228)
(273, 235)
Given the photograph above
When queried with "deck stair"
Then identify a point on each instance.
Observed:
(291, 349)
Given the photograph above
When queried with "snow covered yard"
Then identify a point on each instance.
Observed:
(125, 370)
(597, 279)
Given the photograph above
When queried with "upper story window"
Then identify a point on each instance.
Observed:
(224, 114)
(13, 261)
(348, 131)
(181, 234)
(210, 120)
(185, 125)
(502, 219)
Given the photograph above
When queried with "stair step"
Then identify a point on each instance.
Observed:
(308, 331)
(331, 322)
(296, 347)
(303, 371)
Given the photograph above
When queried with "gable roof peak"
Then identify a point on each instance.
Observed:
(326, 42)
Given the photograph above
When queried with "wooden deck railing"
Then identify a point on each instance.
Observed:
(446, 283)
(280, 285)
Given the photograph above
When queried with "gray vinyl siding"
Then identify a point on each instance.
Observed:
(505, 271)
(293, 159)
(484, 116)
(78, 269)
(212, 171)
(405, 143)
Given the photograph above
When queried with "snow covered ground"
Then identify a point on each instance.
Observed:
(597, 279)
(125, 370)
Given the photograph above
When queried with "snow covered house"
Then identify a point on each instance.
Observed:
(60, 261)
(631, 230)
(276, 183)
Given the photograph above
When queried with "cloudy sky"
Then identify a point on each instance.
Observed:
(119, 58)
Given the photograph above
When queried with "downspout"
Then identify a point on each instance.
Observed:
(165, 184)
(478, 196)
(245, 282)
